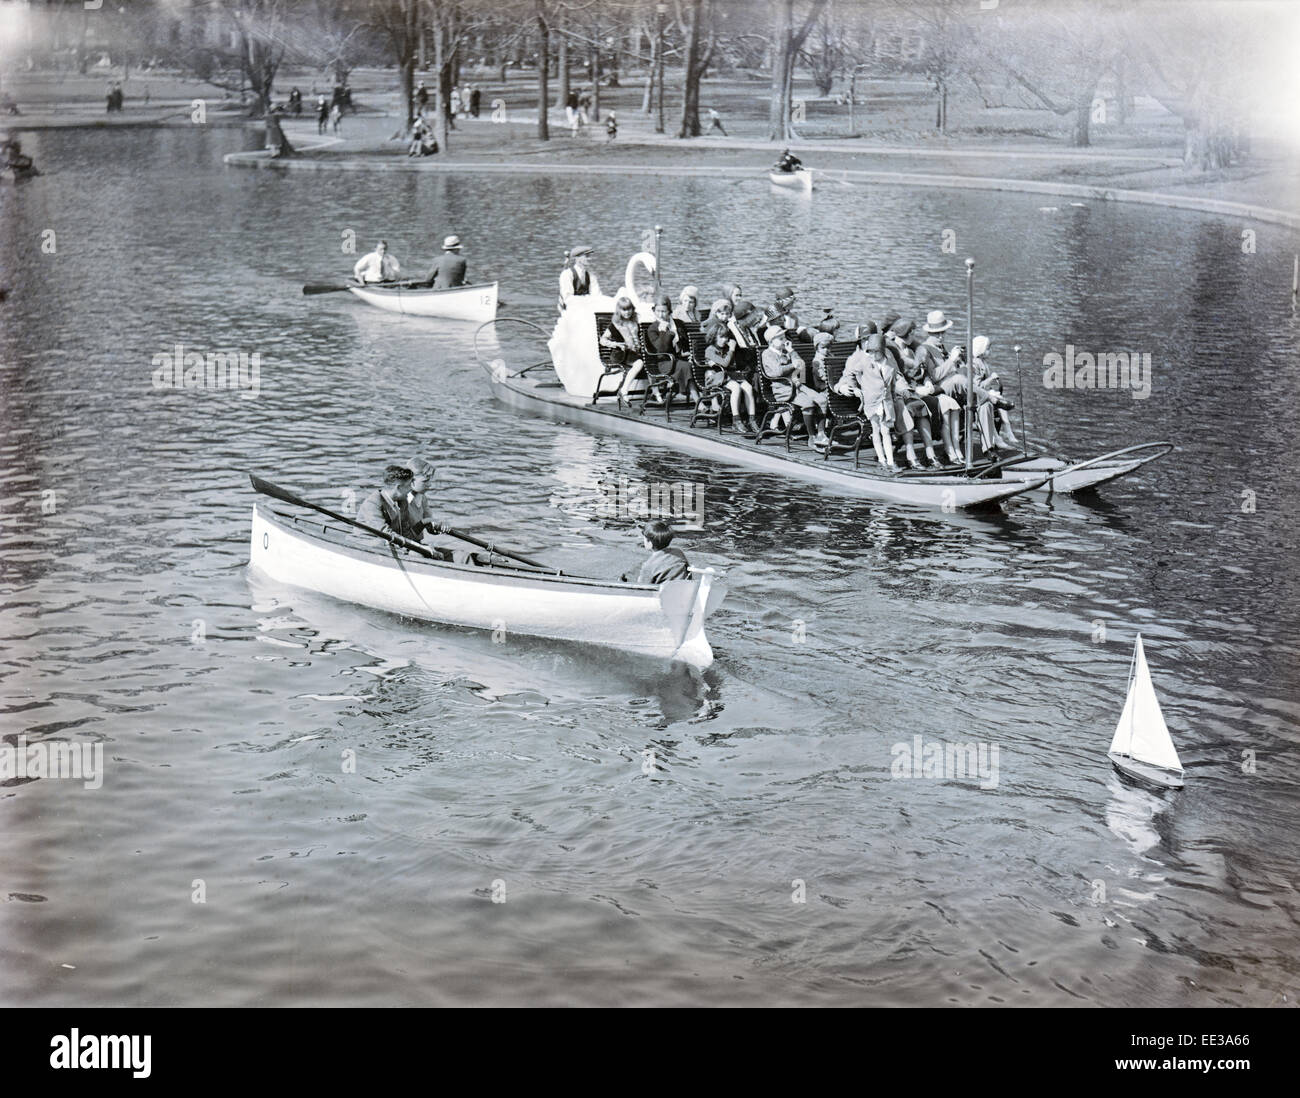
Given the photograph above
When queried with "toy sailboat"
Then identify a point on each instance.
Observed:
(1142, 748)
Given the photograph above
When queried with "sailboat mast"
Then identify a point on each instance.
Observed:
(1132, 709)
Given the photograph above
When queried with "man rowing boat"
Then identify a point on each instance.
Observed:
(402, 507)
(377, 266)
(788, 162)
(388, 508)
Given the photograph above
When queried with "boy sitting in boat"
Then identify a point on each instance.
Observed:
(665, 563)
(786, 371)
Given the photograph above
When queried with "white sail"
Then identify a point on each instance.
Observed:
(1141, 733)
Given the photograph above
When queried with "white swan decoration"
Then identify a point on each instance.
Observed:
(573, 344)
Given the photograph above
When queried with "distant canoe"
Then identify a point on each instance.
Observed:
(665, 621)
(476, 303)
(802, 180)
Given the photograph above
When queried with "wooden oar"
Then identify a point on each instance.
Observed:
(324, 288)
(497, 549)
(286, 496)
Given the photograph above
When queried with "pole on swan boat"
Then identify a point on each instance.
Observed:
(970, 357)
(659, 282)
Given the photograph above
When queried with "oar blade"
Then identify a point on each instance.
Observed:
(323, 288)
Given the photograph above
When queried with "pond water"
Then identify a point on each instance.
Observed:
(227, 706)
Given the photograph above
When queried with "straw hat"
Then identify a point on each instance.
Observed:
(980, 345)
(451, 243)
(936, 322)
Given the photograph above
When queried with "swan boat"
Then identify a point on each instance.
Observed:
(567, 397)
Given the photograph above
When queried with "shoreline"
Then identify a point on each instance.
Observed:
(262, 159)
(1099, 173)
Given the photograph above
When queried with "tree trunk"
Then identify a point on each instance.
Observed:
(543, 66)
(778, 110)
(594, 65)
(692, 73)
(562, 71)
(408, 89)
(647, 100)
(1080, 133)
(786, 43)
(441, 88)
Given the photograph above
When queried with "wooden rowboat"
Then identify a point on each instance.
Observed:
(802, 180)
(477, 303)
(665, 622)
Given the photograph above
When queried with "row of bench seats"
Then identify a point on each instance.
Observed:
(844, 422)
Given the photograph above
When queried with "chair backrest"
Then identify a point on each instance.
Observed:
(765, 387)
(602, 322)
(840, 406)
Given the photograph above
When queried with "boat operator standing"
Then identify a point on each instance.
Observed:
(577, 280)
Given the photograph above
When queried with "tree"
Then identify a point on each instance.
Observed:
(543, 17)
(260, 26)
(787, 41)
(1197, 59)
(1059, 55)
(400, 21)
(699, 28)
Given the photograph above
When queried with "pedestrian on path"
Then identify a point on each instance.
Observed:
(611, 127)
(715, 123)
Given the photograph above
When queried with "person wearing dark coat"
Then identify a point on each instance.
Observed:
(449, 271)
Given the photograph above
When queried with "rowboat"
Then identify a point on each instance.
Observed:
(662, 622)
(801, 180)
(477, 303)
(1142, 747)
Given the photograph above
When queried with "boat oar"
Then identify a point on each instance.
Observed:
(323, 288)
(496, 549)
(286, 496)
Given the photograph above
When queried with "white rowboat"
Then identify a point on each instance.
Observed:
(1142, 747)
(476, 303)
(802, 180)
(665, 622)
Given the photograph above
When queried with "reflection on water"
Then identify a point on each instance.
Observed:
(851, 625)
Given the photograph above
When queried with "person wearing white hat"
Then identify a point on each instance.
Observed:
(449, 270)
(987, 378)
(688, 305)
